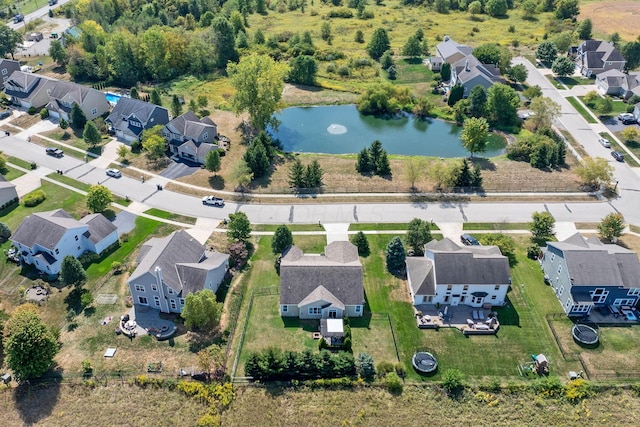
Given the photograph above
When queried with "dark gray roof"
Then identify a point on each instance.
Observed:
(44, 228)
(99, 227)
(77, 92)
(191, 126)
(470, 67)
(24, 80)
(148, 114)
(420, 273)
(11, 66)
(193, 275)
(339, 272)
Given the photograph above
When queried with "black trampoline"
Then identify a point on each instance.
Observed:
(424, 362)
(585, 334)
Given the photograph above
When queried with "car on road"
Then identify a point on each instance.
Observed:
(627, 118)
(55, 152)
(18, 18)
(5, 114)
(604, 142)
(213, 201)
(618, 156)
(115, 173)
(469, 240)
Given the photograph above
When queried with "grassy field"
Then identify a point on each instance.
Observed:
(291, 227)
(170, 216)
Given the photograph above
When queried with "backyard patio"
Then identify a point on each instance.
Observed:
(468, 319)
(613, 316)
(142, 320)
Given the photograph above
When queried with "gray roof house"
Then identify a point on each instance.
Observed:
(190, 137)
(8, 193)
(28, 90)
(64, 94)
(7, 67)
(131, 116)
(585, 273)
(617, 83)
(451, 51)
(452, 274)
(171, 267)
(321, 286)
(43, 239)
(596, 56)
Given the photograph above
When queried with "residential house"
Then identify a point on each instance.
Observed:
(8, 193)
(452, 274)
(321, 286)
(43, 239)
(28, 90)
(451, 52)
(131, 116)
(7, 67)
(585, 273)
(596, 56)
(171, 267)
(190, 137)
(64, 94)
(617, 83)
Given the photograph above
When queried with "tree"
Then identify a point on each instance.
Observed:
(445, 72)
(496, 7)
(383, 167)
(72, 273)
(502, 104)
(418, 235)
(567, 9)
(257, 159)
(545, 111)
(223, 39)
(258, 81)
(155, 145)
(542, 226)
(563, 40)
(241, 173)
(477, 101)
(360, 241)
(359, 37)
(518, 73)
(475, 8)
(412, 47)
(547, 52)
(133, 93)
(504, 242)
(594, 171)
(9, 40)
(98, 198)
(528, 8)
(78, 119)
(239, 227)
(453, 381)
(30, 345)
(282, 239)
(455, 94)
(155, 97)
(611, 227)
(631, 53)
(201, 310)
(395, 255)
(296, 174)
(365, 367)
(413, 169)
(378, 44)
(325, 32)
(532, 92)
(422, 107)
(563, 66)
(630, 134)
(58, 53)
(363, 162)
(212, 161)
(604, 106)
(5, 232)
(123, 151)
(475, 132)
(584, 29)
(303, 70)
(176, 106)
(91, 134)
(313, 174)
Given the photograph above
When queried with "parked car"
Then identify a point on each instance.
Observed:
(114, 173)
(604, 142)
(52, 2)
(618, 156)
(5, 114)
(469, 240)
(18, 18)
(213, 201)
(55, 152)
(627, 118)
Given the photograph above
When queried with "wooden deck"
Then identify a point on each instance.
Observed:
(469, 320)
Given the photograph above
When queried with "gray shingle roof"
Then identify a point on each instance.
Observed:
(193, 275)
(420, 273)
(191, 126)
(322, 294)
(99, 227)
(451, 51)
(44, 228)
(24, 80)
(148, 114)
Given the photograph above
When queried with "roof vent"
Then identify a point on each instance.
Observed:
(446, 38)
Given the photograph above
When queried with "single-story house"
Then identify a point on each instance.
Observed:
(7, 67)
(171, 267)
(617, 83)
(593, 57)
(586, 273)
(43, 239)
(64, 94)
(8, 193)
(131, 116)
(321, 286)
(190, 137)
(452, 274)
(28, 90)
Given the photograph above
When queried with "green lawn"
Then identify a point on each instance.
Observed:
(573, 81)
(12, 173)
(69, 181)
(310, 244)
(170, 216)
(412, 70)
(583, 112)
(291, 227)
(497, 226)
(19, 162)
(383, 226)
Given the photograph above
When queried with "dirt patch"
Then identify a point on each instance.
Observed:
(607, 16)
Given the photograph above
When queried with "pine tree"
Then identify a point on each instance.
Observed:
(313, 175)
(360, 241)
(477, 177)
(155, 97)
(383, 168)
(395, 255)
(296, 174)
(464, 177)
(363, 164)
(176, 106)
(282, 239)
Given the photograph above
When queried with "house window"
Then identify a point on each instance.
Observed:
(314, 310)
(143, 301)
(446, 299)
(154, 288)
(78, 248)
(624, 301)
(553, 256)
(599, 295)
(170, 291)
(463, 298)
(561, 290)
(559, 268)
(57, 251)
(494, 297)
(173, 304)
(139, 288)
(181, 301)
(567, 304)
(496, 288)
(634, 292)
(449, 288)
(358, 308)
(476, 300)
(4, 71)
(94, 111)
(76, 237)
(466, 288)
(156, 300)
(285, 308)
(205, 135)
(426, 298)
(135, 124)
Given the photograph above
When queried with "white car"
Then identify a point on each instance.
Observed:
(213, 201)
(604, 142)
(114, 173)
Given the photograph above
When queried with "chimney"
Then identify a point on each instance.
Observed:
(466, 65)
(446, 38)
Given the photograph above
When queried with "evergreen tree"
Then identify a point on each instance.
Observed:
(379, 43)
(78, 119)
(360, 241)
(465, 176)
(133, 93)
(455, 94)
(375, 152)
(91, 134)
(296, 174)
(282, 239)
(155, 97)
(477, 101)
(395, 255)
(71, 272)
(223, 38)
(257, 159)
(383, 168)
(176, 106)
(445, 72)
(412, 47)
(313, 175)
(363, 164)
(476, 180)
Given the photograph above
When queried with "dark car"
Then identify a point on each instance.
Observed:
(5, 114)
(18, 18)
(469, 240)
(618, 156)
(55, 152)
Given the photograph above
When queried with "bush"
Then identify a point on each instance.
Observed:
(136, 146)
(44, 113)
(577, 390)
(547, 387)
(383, 368)
(533, 251)
(393, 382)
(32, 111)
(34, 198)
(340, 13)
(452, 381)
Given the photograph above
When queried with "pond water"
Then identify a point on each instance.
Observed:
(341, 129)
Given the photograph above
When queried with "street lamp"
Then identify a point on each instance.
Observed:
(615, 186)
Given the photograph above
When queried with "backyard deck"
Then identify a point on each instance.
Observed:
(149, 322)
(469, 320)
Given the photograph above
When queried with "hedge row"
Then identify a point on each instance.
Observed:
(272, 364)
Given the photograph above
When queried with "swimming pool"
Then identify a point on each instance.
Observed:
(112, 98)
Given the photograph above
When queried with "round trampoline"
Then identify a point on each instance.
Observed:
(424, 362)
(584, 334)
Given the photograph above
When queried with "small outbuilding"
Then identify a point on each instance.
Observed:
(35, 36)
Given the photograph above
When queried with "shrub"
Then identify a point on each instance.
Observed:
(452, 381)
(34, 198)
(136, 146)
(383, 368)
(547, 387)
(34, 165)
(393, 382)
(32, 111)
(340, 13)
(44, 113)
(577, 390)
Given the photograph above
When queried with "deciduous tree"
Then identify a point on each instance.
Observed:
(595, 171)
(282, 239)
(414, 168)
(123, 151)
(58, 53)
(545, 111)
(98, 198)
(611, 227)
(567, 9)
(5, 232)
(630, 134)
(502, 104)
(475, 132)
(418, 234)
(239, 227)
(72, 272)
(201, 310)
(518, 73)
(547, 52)
(542, 225)
(212, 161)
(379, 43)
(241, 174)
(9, 40)
(303, 70)
(223, 38)
(563, 66)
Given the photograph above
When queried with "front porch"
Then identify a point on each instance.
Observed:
(469, 320)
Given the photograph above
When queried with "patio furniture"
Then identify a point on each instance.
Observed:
(474, 314)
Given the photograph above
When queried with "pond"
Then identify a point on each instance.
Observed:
(341, 129)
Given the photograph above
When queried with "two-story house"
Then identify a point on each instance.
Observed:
(7, 67)
(28, 90)
(131, 116)
(171, 267)
(43, 239)
(452, 274)
(617, 83)
(190, 137)
(63, 95)
(322, 286)
(586, 273)
(596, 56)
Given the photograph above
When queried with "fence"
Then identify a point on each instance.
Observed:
(385, 316)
